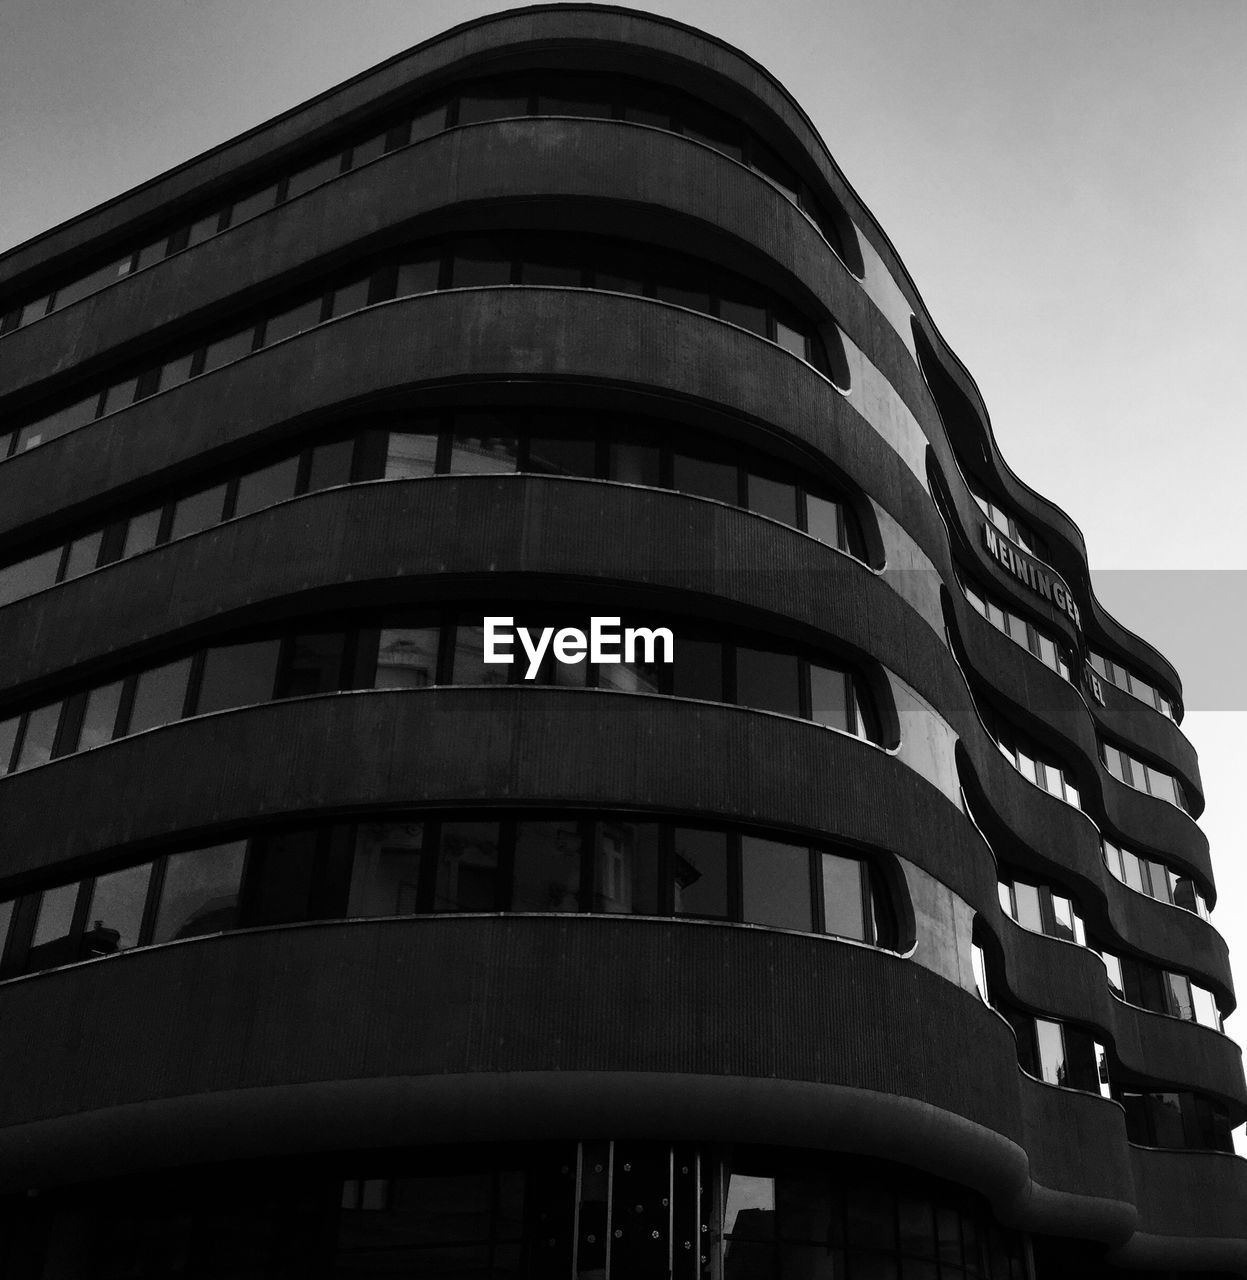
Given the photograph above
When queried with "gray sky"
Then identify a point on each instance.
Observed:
(1064, 179)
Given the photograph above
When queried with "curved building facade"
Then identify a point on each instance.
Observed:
(836, 909)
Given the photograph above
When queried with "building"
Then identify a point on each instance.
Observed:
(867, 938)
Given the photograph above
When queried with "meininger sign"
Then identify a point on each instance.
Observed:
(1022, 567)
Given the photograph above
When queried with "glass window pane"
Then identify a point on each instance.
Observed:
(422, 275)
(116, 912)
(150, 253)
(369, 149)
(84, 554)
(226, 350)
(198, 511)
(385, 873)
(203, 228)
(791, 339)
(313, 175)
(40, 736)
(1207, 1013)
(822, 519)
(313, 664)
(705, 478)
(1026, 896)
(267, 486)
(576, 96)
(548, 264)
(350, 297)
(467, 867)
(238, 675)
(1051, 1051)
(1052, 780)
(830, 702)
(635, 464)
(1063, 917)
(871, 1218)
(699, 873)
(305, 316)
(743, 306)
(28, 576)
(774, 498)
(767, 681)
(280, 878)
(492, 102)
(1133, 870)
(547, 866)
(1112, 966)
(407, 658)
(843, 913)
(99, 717)
(410, 455)
(250, 206)
(119, 395)
(626, 867)
(331, 465)
(8, 736)
(562, 457)
(698, 670)
(200, 892)
(683, 287)
(632, 677)
(775, 883)
(159, 696)
(750, 1211)
(482, 454)
(470, 666)
(141, 533)
(480, 263)
(50, 943)
(57, 424)
(6, 915)
(1181, 1003)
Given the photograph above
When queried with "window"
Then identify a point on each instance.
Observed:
(1143, 777)
(547, 866)
(238, 675)
(1042, 909)
(28, 576)
(115, 911)
(268, 485)
(52, 940)
(1018, 750)
(468, 864)
(200, 892)
(1030, 637)
(775, 884)
(700, 873)
(385, 873)
(197, 511)
(159, 696)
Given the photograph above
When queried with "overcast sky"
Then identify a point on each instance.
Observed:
(1064, 179)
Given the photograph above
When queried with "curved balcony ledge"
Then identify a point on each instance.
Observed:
(435, 342)
(1044, 698)
(508, 745)
(267, 1037)
(1138, 723)
(1067, 1193)
(1192, 1211)
(628, 173)
(401, 539)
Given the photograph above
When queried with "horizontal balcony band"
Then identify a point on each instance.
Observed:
(462, 339)
(1061, 709)
(627, 179)
(396, 540)
(1190, 1211)
(1059, 979)
(509, 745)
(268, 1036)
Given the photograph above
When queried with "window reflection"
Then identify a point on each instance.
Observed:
(385, 874)
(115, 914)
(775, 883)
(547, 866)
(467, 867)
(700, 873)
(200, 892)
(159, 696)
(626, 868)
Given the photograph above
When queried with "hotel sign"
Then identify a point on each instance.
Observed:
(1042, 582)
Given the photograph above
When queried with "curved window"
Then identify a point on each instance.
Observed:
(572, 861)
(1142, 777)
(538, 93)
(1150, 987)
(471, 261)
(1146, 875)
(1126, 680)
(1183, 1121)
(1034, 765)
(1041, 909)
(414, 649)
(548, 441)
(1038, 643)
